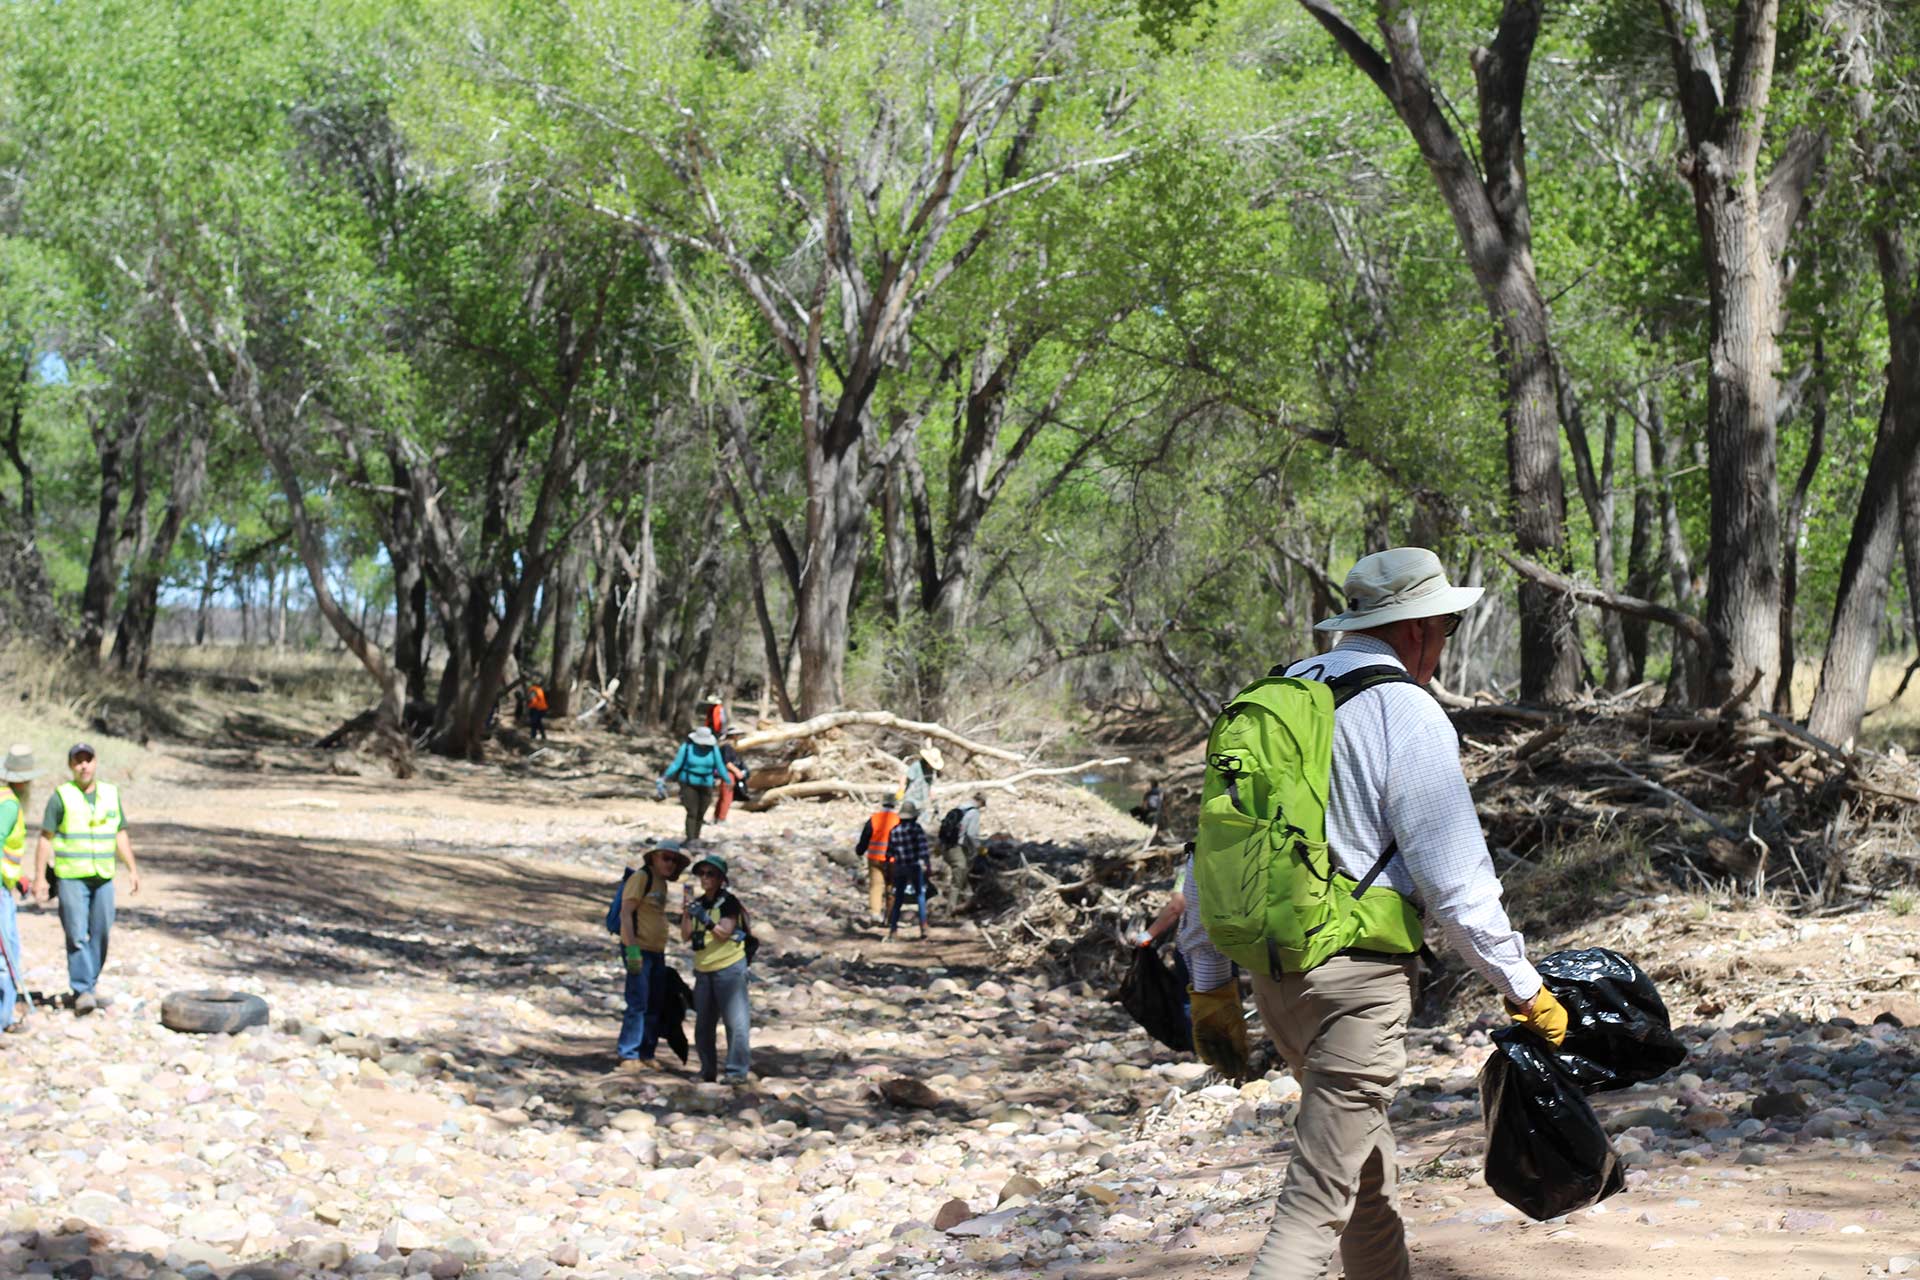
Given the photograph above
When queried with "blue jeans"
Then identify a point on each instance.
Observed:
(903, 891)
(646, 992)
(10, 940)
(722, 996)
(86, 914)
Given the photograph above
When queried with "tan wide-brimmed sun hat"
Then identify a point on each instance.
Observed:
(1392, 586)
(934, 759)
(18, 766)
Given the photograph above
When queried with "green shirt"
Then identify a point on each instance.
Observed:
(9, 810)
(57, 810)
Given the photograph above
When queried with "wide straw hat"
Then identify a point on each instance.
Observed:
(934, 759)
(1392, 586)
(18, 766)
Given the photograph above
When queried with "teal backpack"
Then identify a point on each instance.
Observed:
(1271, 897)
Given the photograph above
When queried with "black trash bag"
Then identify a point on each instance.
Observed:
(1618, 1033)
(1157, 1001)
(1546, 1152)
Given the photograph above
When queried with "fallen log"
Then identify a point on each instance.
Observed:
(881, 719)
(878, 790)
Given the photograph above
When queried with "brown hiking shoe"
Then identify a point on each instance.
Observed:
(85, 1002)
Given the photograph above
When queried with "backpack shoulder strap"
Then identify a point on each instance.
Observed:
(1349, 685)
(1345, 688)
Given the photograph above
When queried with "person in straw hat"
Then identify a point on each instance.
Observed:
(643, 943)
(18, 773)
(1342, 1027)
(918, 790)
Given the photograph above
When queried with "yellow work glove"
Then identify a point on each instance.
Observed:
(1549, 1016)
(1220, 1030)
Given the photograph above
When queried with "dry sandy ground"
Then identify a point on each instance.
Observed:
(473, 851)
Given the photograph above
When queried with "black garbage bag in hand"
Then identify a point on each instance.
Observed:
(1618, 1033)
(1546, 1152)
(1157, 1000)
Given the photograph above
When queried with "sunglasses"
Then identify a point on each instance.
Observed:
(1453, 623)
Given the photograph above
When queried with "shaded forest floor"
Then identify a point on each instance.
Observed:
(436, 1094)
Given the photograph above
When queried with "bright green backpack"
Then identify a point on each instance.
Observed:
(1270, 896)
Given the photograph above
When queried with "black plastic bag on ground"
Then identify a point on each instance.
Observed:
(1157, 1000)
(1546, 1152)
(1618, 1033)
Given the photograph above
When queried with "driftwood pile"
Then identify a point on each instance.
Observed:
(1064, 909)
(832, 761)
(1736, 800)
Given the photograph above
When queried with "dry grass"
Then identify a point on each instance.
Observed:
(49, 702)
(1888, 723)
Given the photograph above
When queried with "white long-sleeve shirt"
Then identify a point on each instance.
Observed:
(1397, 777)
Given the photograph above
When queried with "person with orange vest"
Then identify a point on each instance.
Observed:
(873, 842)
(537, 710)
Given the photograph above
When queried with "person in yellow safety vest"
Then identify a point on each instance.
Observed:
(82, 836)
(17, 772)
(873, 843)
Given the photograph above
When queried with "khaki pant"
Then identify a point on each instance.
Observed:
(695, 801)
(877, 890)
(958, 858)
(1342, 1028)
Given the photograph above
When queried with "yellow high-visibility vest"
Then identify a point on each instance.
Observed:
(11, 851)
(84, 844)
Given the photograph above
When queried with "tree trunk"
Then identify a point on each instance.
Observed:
(1744, 229)
(103, 564)
(133, 646)
(1840, 701)
(562, 675)
(639, 692)
(836, 528)
(1795, 521)
(1642, 572)
(1596, 492)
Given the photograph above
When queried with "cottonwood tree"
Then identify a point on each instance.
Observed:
(840, 169)
(1876, 49)
(1745, 223)
(1486, 194)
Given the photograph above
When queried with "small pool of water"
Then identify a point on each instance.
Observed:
(1121, 788)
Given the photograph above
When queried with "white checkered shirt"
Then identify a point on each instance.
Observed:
(1396, 776)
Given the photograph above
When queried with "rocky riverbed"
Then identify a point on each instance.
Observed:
(435, 1093)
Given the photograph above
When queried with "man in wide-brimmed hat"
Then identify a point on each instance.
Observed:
(18, 773)
(1399, 800)
(697, 766)
(83, 837)
(643, 942)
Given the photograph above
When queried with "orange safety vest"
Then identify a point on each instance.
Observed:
(537, 699)
(883, 824)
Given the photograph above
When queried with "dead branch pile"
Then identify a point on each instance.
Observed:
(1063, 909)
(1734, 799)
(831, 761)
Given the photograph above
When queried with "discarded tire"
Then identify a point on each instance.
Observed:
(209, 1012)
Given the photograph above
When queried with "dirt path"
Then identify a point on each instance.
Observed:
(436, 1094)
